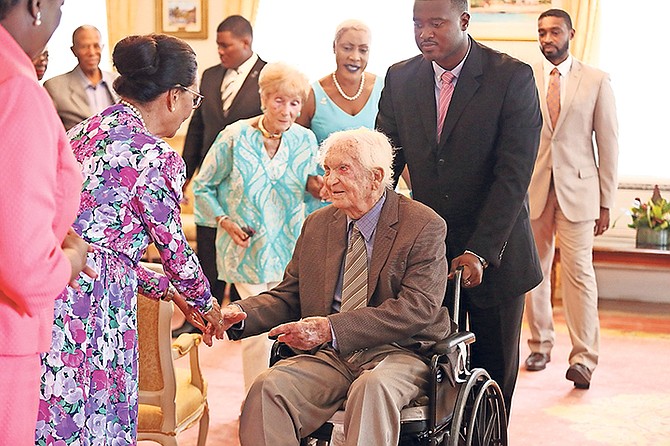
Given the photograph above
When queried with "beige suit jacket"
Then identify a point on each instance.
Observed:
(585, 176)
(406, 285)
(69, 96)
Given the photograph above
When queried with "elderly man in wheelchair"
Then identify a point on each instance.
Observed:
(361, 305)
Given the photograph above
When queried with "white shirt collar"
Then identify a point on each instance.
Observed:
(563, 67)
(456, 71)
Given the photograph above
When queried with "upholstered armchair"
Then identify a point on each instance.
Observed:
(171, 399)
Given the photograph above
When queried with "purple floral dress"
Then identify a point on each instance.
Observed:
(130, 198)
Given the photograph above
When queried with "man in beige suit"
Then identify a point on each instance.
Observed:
(362, 293)
(571, 193)
(86, 90)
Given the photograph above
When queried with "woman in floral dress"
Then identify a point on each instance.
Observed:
(130, 198)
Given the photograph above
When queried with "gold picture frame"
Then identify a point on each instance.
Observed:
(506, 20)
(186, 19)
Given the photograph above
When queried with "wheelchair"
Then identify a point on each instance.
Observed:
(463, 407)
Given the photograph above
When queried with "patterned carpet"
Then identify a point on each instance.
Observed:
(628, 403)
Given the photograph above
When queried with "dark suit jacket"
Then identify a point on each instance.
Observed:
(477, 177)
(406, 285)
(208, 120)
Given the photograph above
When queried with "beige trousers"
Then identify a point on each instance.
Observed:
(255, 349)
(578, 285)
(299, 394)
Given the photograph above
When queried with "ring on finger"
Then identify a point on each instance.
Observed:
(220, 321)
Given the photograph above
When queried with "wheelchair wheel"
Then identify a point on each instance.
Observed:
(479, 416)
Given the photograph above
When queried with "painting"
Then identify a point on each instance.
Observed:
(506, 19)
(186, 19)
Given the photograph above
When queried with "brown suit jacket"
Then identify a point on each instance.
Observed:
(406, 285)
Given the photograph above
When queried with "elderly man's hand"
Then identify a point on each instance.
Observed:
(304, 334)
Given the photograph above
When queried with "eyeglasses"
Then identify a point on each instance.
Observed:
(197, 97)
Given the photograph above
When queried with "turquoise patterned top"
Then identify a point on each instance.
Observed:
(238, 179)
(329, 118)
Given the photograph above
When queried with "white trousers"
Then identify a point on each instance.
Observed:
(578, 285)
(255, 349)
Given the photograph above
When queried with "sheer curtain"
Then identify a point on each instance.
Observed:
(75, 13)
(632, 50)
(300, 33)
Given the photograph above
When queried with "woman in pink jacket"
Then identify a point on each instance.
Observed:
(40, 183)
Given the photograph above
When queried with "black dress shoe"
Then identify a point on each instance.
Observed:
(537, 361)
(580, 375)
(187, 327)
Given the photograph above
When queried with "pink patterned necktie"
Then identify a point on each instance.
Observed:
(554, 96)
(446, 92)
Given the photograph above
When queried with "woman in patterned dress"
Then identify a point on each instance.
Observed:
(251, 186)
(130, 198)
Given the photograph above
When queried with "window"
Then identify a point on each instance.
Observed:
(76, 13)
(632, 53)
(300, 32)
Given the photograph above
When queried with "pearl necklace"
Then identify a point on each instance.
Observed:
(358, 93)
(134, 110)
(265, 133)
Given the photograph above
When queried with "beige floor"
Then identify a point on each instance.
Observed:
(628, 403)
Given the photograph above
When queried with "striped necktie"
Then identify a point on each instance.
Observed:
(355, 279)
(446, 91)
(554, 96)
(228, 90)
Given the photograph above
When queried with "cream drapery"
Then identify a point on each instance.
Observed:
(245, 8)
(121, 15)
(120, 20)
(586, 20)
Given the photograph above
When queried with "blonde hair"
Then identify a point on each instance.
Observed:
(279, 77)
(345, 26)
(369, 147)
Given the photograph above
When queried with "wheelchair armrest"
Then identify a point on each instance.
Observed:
(280, 351)
(448, 344)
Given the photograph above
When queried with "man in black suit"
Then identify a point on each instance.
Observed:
(231, 94)
(475, 174)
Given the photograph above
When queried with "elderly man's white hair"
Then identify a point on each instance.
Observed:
(371, 148)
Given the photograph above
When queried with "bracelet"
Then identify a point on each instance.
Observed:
(170, 293)
(481, 259)
(220, 219)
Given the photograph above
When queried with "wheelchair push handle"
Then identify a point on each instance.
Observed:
(458, 276)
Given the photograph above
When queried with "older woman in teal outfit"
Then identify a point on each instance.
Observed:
(345, 99)
(251, 184)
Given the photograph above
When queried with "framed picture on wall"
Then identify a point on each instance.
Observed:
(186, 19)
(506, 19)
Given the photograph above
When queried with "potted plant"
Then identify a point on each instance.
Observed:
(651, 221)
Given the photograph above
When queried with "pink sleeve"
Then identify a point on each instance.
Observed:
(36, 197)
